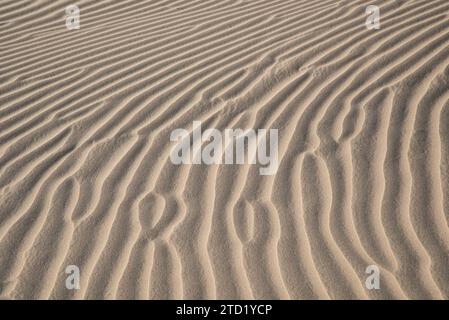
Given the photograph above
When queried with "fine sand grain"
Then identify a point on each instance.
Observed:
(85, 171)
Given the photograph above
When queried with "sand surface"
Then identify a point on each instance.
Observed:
(85, 171)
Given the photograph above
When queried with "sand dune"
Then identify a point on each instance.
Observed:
(85, 171)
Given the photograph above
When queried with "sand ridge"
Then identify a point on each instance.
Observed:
(85, 171)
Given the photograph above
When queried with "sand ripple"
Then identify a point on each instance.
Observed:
(85, 171)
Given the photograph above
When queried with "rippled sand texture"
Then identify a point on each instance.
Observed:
(86, 178)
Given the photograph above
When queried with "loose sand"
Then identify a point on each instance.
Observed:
(85, 171)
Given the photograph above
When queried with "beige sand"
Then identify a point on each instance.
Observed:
(86, 178)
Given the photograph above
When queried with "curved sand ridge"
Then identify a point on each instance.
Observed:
(85, 171)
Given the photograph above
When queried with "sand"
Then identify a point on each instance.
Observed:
(86, 178)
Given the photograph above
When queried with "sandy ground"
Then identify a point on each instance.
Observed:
(85, 171)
